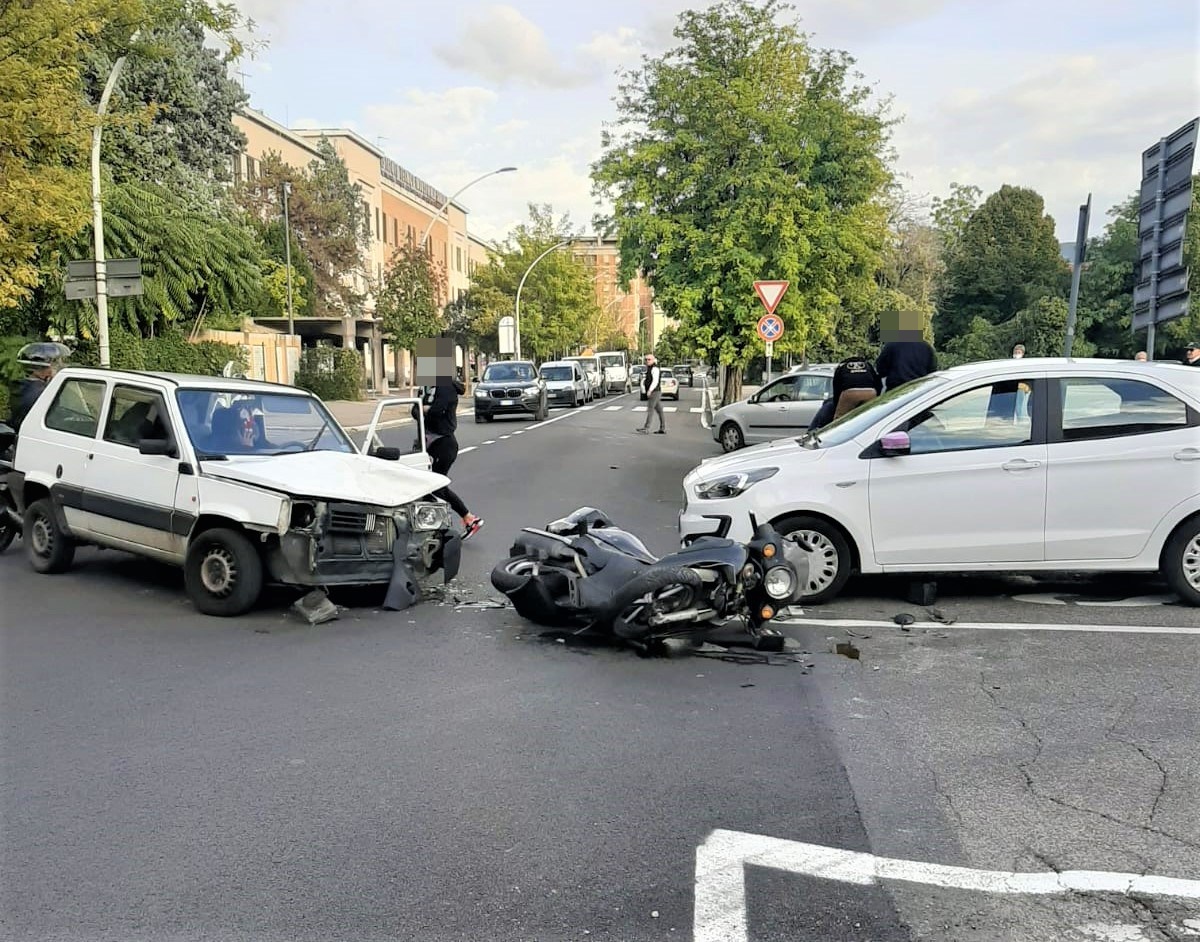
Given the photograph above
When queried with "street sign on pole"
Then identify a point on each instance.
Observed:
(508, 340)
(123, 277)
(770, 293)
(1085, 214)
(1161, 293)
(770, 327)
(770, 348)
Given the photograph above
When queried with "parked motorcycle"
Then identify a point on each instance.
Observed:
(10, 520)
(584, 572)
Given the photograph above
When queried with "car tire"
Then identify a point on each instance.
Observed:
(731, 437)
(223, 573)
(8, 532)
(1181, 561)
(479, 419)
(831, 562)
(50, 549)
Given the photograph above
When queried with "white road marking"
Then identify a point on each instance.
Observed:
(463, 451)
(719, 912)
(585, 408)
(995, 626)
(490, 441)
(670, 408)
(1134, 601)
(519, 431)
(613, 408)
(503, 437)
(639, 408)
(694, 409)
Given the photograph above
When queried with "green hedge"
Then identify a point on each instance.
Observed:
(331, 373)
(169, 352)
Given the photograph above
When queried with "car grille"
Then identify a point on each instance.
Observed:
(353, 532)
(349, 520)
(507, 393)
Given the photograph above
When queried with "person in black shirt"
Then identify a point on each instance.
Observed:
(853, 373)
(441, 422)
(1191, 354)
(41, 361)
(902, 361)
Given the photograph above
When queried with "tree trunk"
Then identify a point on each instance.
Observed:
(731, 390)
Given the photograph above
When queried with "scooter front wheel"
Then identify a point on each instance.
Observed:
(658, 591)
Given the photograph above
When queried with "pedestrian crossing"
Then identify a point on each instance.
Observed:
(694, 409)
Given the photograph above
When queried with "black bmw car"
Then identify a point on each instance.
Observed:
(511, 387)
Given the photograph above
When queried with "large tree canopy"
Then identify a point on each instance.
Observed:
(743, 154)
(1007, 258)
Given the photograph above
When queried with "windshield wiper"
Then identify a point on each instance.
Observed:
(208, 456)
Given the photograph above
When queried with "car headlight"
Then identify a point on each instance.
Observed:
(429, 517)
(779, 582)
(732, 485)
(480, 393)
(531, 392)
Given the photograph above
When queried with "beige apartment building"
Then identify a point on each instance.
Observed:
(398, 207)
(631, 303)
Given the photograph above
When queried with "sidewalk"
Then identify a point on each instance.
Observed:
(356, 416)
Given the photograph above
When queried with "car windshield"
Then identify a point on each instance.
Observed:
(667, 374)
(223, 422)
(508, 373)
(856, 421)
(612, 361)
(557, 373)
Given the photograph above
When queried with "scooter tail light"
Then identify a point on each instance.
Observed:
(767, 613)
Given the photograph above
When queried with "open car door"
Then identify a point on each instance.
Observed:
(398, 418)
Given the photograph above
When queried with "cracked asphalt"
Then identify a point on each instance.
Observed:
(446, 774)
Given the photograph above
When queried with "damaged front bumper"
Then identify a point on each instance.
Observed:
(352, 544)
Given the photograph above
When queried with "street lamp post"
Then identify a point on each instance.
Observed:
(287, 250)
(442, 208)
(517, 310)
(98, 208)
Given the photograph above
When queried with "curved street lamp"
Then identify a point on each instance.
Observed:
(442, 208)
(517, 311)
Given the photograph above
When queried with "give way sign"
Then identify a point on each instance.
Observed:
(770, 293)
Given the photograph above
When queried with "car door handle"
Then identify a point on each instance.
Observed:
(1020, 464)
(1188, 454)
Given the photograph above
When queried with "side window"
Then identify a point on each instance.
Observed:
(136, 414)
(1098, 407)
(810, 388)
(76, 408)
(780, 391)
(995, 416)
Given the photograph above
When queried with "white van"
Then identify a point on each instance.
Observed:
(615, 370)
(591, 366)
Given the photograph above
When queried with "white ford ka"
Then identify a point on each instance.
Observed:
(240, 483)
(1068, 465)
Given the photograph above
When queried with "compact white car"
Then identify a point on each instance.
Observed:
(238, 482)
(1010, 465)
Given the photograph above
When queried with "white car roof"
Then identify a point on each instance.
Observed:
(186, 380)
(556, 363)
(1188, 376)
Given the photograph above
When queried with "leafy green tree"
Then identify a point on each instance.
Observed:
(741, 154)
(325, 211)
(46, 118)
(1009, 257)
(173, 109)
(558, 301)
(407, 300)
(951, 215)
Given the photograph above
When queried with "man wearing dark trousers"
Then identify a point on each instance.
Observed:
(652, 386)
(441, 422)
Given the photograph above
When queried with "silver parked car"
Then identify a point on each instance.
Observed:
(783, 407)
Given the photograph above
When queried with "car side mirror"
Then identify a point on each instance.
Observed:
(157, 446)
(387, 453)
(894, 444)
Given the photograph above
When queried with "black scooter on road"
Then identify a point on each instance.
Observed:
(584, 573)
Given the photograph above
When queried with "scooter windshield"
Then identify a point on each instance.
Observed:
(624, 542)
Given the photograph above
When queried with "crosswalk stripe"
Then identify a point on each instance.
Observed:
(670, 409)
(639, 408)
(613, 408)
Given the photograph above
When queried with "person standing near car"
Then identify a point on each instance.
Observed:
(40, 361)
(853, 373)
(906, 355)
(1191, 354)
(652, 387)
(441, 423)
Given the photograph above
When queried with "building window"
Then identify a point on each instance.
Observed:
(385, 238)
(237, 168)
(376, 222)
(457, 258)
(395, 232)
(411, 235)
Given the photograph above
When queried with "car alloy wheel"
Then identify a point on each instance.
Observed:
(823, 561)
(1191, 563)
(731, 437)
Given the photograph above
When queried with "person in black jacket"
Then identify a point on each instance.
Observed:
(441, 422)
(41, 361)
(851, 373)
(1191, 354)
(902, 361)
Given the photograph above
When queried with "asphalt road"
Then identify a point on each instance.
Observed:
(446, 774)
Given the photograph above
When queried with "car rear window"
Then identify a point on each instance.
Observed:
(76, 408)
(557, 373)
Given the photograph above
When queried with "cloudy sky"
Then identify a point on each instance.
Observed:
(1059, 95)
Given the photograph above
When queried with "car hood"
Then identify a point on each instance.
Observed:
(510, 384)
(757, 456)
(330, 475)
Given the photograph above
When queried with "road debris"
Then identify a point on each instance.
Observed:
(845, 649)
(316, 608)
